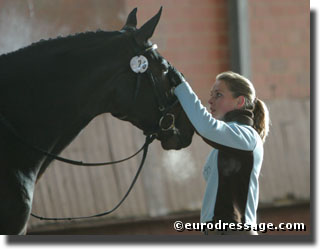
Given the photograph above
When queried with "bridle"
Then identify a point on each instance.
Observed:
(139, 64)
(163, 106)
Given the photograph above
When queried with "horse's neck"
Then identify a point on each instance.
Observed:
(52, 90)
(59, 75)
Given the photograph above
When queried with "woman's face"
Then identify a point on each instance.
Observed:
(221, 100)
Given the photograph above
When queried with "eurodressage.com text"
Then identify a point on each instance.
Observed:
(222, 226)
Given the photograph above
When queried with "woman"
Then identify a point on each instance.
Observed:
(236, 127)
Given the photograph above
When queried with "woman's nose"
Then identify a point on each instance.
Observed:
(210, 101)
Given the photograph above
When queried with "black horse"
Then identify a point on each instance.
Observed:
(50, 90)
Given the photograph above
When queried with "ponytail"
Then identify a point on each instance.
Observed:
(261, 119)
(241, 86)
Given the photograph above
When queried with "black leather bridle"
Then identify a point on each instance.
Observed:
(163, 106)
(164, 98)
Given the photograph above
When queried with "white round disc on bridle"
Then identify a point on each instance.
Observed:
(139, 64)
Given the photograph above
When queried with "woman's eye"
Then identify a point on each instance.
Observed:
(218, 95)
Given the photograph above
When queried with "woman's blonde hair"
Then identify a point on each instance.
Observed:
(241, 86)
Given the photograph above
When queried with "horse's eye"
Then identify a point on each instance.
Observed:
(165, 71)
(164, 67)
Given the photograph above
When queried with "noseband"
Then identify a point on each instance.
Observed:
(140, 65)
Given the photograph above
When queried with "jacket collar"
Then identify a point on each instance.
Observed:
(242, 116)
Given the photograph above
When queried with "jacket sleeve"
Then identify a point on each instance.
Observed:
(230, 134)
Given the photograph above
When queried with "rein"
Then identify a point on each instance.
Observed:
(149, 140)
(139, 64)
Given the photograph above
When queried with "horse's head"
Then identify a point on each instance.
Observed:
(143, 92)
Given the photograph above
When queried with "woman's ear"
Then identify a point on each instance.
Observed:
(240, 101)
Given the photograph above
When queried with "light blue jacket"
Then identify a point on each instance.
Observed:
(232, 168)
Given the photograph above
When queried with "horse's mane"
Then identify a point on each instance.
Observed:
(78, 39)
(47, 55)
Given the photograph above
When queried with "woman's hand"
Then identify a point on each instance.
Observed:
(175, 77)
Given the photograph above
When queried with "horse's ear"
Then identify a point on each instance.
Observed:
(146, 31)
(131, 20)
